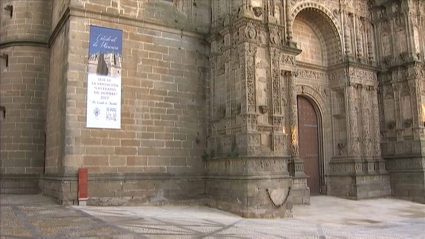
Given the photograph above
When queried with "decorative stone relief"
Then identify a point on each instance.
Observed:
(341, 168)
(250, 31)
(287, 60)
(360, 36)
(251, 121)
(279, 142)
(251, 49)
(376, 127)
(299, 168)
(400, 164)
(283, 89)
(311, 74)
(226, 144)
(354, 148)
(356, 73)
(228, 126)
(275, 37)
(254, 139)
(338, 75)
(267, 165)
(385, 39)
(366, 117)
(348, 34)
(276, 98)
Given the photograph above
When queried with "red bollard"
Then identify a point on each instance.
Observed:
(82, 186)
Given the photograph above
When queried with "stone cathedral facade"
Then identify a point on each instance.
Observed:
(245, 105)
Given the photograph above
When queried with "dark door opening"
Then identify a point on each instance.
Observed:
(308, 129)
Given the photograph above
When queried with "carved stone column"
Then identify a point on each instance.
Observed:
(288, 23)
(354, 147)
(250, 51)
(365, 122)
(248, 140)
(366, 137)
(415, 89)
(359, 36)
(276, 101)
(293, 114)
(369, 42)
(229, 81)
(347, 35)
(379, 162)
(398, 116)
(293, 125)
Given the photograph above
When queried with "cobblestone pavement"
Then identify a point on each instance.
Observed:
(35, 216)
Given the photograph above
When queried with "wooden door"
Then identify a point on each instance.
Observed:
(309, 143)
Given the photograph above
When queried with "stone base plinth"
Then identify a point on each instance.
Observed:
(300, 192)
(255, 187)
(360, 186)
(407, 178)
(251, 197)
(19, 184)
(356, 178)
(128, 189)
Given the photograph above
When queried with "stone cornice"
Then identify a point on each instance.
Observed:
(23, 43)
(305, 65)
(351, 63)
(122, 176)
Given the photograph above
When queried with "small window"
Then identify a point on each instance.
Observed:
(2, 112)
(4, 61)
(10, 9)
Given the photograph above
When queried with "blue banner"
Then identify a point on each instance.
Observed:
(104, 78)
(105, 40)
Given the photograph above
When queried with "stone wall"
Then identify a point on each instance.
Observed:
(308, 40)
(399, 27)
(251, 186)
(192, 15)
(30, 21)
(207, 85)
(163, 120)
(55, 115)
(24, 71)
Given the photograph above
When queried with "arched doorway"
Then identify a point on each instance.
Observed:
(308, 128)
(317, 33)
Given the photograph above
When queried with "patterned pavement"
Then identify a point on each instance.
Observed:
(36, 216)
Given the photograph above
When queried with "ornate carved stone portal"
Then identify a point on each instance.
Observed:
(366, 94)
(209, 93)
(209, 101)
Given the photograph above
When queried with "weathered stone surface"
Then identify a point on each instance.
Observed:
(24, 70)
(209, 93)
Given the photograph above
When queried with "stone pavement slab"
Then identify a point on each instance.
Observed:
(36, 216)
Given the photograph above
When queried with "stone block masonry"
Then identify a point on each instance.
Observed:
(24, 69)
(209, 101)
(23, 87)
(163, 120)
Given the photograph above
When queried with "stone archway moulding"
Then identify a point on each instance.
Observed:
(316, 97)
(295, 10)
